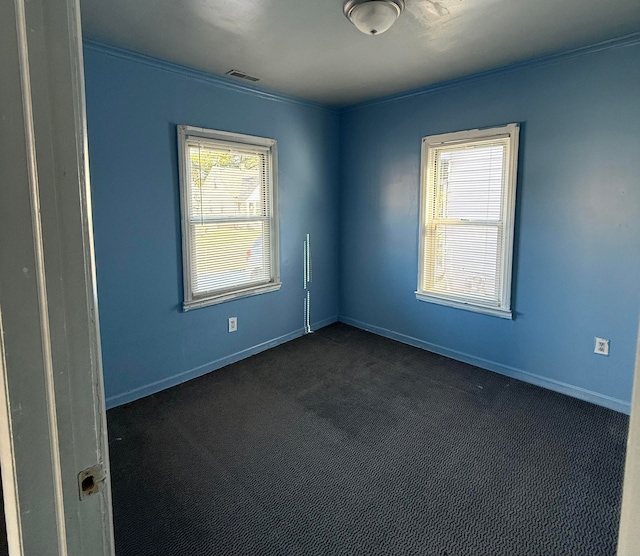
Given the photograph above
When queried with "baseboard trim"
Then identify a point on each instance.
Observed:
(163, 384)
(512, 372)
(322, 323)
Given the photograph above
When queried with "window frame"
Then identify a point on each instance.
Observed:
(269, 147)
(427, 184)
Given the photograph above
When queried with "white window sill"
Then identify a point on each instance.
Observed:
(230, 296)
(468, 306)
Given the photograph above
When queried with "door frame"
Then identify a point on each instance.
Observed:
(52, 410)
(629, 536)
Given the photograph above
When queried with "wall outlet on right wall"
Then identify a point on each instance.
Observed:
(602, 346)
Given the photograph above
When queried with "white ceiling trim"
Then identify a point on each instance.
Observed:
(199, 75)
(227, 83)
(619, 42)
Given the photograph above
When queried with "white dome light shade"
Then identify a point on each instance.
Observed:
(373, 17)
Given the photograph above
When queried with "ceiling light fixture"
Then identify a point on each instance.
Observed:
(373, 17)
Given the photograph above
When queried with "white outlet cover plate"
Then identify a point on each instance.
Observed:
(602, 346)
(233, 324)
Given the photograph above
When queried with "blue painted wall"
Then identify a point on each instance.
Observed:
(351, 179)
(133, 107)
(577, 254)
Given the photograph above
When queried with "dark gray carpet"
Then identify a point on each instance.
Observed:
(343, 442)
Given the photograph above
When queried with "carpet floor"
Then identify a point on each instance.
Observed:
(343, 442)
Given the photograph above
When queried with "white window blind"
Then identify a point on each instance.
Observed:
(228, 213)
(468, 196)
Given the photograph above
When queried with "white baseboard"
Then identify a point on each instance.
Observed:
(154, 387)
(525, 376)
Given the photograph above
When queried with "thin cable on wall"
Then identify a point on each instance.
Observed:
(307, 275)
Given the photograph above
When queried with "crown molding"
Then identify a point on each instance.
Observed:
(632, 39)
(202, 76)
(620, 42)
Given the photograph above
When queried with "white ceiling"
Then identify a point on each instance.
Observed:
(307, 48)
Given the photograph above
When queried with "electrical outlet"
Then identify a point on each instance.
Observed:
(233, 324)
(602, 346)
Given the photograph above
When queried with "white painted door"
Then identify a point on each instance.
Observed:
(52, 413)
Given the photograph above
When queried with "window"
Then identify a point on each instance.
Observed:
(467, 219)
(229, 221)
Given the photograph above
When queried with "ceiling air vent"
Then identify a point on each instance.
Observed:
(242, 75)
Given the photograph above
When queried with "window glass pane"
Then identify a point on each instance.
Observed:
(224, 183)
(465, 261)
(469, 182)
(229, 256)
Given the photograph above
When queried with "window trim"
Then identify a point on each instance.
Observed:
(185, 132)
(503, 310)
